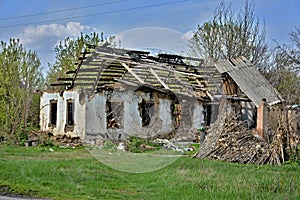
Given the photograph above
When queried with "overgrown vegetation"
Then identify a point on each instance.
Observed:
(230, 34)
(20, 78)
(285, 71)
(75, 174)
(67, 53)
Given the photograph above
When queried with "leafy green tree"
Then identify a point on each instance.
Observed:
(67, 53)
(20, 76)
(229, 35)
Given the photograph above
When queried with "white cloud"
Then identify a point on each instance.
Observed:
(46, 36)
(43, 38)
(188, 35)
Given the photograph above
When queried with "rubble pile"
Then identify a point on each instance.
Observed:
(42, 138)
(66, 140)
(230, 141)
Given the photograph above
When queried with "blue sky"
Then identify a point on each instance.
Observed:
(172, 21)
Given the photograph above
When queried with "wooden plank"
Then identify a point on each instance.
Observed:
(85, 78)
(88, 70)
(71, 72)
(105, 78)
(131, 83)
(87, 74)
(159, 80)
(162, 73)
(133, 73)
(65, 79)
(187, 87)
(111, 74)
(114, 70)
(83, 84)
(60, 84)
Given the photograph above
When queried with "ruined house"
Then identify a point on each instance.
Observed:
(114, 93)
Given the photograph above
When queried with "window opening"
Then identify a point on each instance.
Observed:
(146, 110)
(114, 114)
(70, 113)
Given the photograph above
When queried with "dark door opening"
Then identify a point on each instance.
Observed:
(53, 112)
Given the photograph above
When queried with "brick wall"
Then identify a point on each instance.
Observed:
(262, 118)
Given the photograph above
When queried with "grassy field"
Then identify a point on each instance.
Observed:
(76, 174)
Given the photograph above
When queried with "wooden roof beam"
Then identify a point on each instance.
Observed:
(133, 73)
(60, 84)
(65, 79)
(159, 79)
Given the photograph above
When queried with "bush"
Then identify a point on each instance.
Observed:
(294, 156)
(109, 146)
(22, 138)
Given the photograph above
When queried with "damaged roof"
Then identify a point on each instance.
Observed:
(250, 80)
(104, 67)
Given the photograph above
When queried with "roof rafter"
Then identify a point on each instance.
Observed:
(133, 73)
(159, 79)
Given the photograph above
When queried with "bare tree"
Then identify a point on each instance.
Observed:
(229, 35)
(285, 73)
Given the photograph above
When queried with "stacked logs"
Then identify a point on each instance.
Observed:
(230, 141)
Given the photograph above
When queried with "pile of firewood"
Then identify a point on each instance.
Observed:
(230, 141)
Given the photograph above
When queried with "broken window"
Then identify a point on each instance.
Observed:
(146, 110)
(70, 112)
(114, 114)
(53, 113)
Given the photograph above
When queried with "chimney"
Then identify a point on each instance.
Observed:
(262, 118)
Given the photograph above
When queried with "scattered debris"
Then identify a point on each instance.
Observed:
(48, 139)
(168, 145)
(190, 148)
(145, 147)
(66, 141)
(134, 144)
(34, 139)
(140, 145)
(121, 146)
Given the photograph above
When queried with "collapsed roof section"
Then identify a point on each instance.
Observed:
(251, 82)
(105, 67)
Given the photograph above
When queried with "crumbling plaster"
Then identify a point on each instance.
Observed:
(59, 128)
(90, 115)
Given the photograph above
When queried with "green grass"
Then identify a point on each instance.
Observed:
(76, 174)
